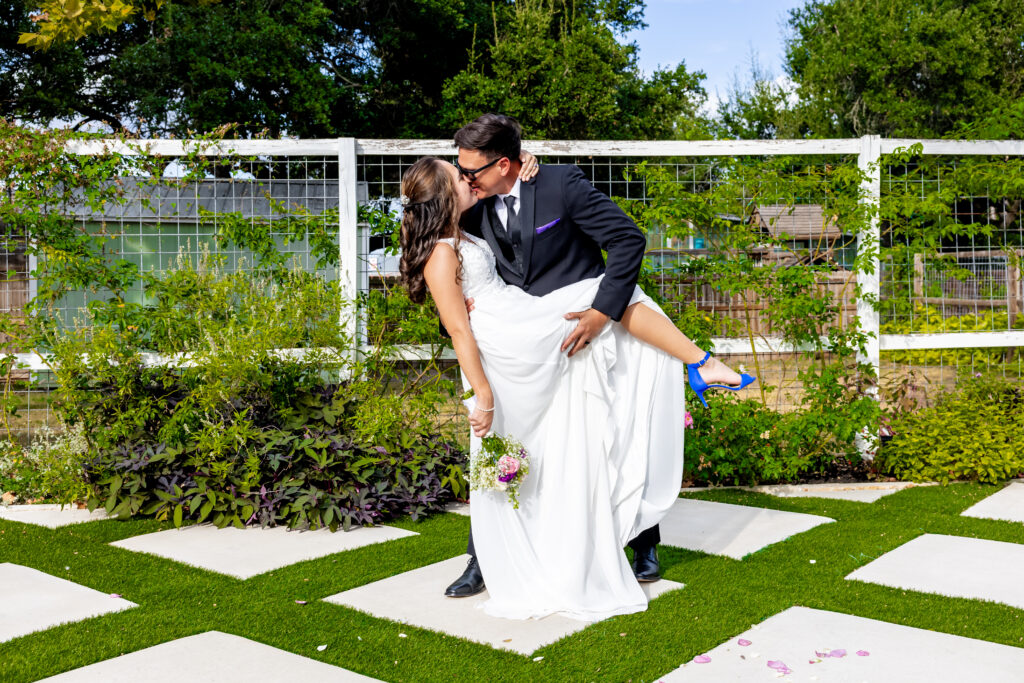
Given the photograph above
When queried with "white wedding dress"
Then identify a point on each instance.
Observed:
(604, 430)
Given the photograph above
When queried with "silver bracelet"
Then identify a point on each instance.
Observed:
(484, 410)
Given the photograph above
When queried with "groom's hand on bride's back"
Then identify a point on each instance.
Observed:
(470, 305)
(591, 322)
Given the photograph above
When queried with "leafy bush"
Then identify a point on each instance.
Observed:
(266, 417)
(49, 470)
(744, 442)
(974, 432)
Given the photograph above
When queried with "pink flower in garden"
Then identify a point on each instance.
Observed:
(508, 465)
(688, 420)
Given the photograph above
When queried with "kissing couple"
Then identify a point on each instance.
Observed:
(563, 353)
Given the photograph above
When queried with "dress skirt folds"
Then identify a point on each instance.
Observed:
(604, 430)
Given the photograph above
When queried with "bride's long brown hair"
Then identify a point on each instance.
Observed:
(431, 213)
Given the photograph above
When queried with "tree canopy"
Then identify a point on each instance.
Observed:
(324, 68)
(421, 68)
(904, 68)
(562, 73)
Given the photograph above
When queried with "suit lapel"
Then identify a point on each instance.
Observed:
(528, 212)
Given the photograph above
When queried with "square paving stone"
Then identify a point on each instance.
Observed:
(458, 508)
(49, 515)
(874, 651)
(31, 600)
(1007, 505)
(954, 566)
(244, 553)
(210, 656)
(858, 492)
(731, 530)
(417, 598)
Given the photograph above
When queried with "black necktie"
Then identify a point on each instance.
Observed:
(512, 222)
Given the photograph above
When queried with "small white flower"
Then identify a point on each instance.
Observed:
(766, 434)
(404, 200)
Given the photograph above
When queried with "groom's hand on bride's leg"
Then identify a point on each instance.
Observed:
(589, 325)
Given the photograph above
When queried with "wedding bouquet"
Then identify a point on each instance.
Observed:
(500, 465)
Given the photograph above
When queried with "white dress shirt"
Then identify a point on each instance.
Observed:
(502, 210)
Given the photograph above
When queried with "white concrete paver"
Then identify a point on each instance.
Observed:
(417, 598)
(1007, 505)
(210, 656)
(860, 492)
(874, 651)
(31, 600)
(458, 508)
(953, 566)
(732, 530)
(51, 516)
(244, 553)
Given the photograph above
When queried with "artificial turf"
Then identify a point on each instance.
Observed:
(722, 596)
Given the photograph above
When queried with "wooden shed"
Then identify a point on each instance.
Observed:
(796, 222)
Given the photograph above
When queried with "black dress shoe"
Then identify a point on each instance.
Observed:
(646, 567)
(470, 583)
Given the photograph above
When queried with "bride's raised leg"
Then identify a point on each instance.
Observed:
(653, 328)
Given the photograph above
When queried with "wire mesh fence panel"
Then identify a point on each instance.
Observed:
(952, 245)
(763, 206)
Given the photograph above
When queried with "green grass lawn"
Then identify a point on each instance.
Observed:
(722, 597)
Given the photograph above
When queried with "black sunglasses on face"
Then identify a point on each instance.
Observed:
(470, 174)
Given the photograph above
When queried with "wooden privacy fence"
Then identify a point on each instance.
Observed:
(995, 281)
(736, 310)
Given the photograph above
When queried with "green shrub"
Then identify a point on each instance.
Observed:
(239, 432)
(49, 470)
(974, 432)
(743, 442)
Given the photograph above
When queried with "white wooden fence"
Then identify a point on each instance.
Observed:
(868, 150)
(350, 152)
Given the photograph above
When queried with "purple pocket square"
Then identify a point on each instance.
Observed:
(547, 226)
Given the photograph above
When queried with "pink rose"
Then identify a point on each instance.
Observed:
(508, 465)
(688, 420)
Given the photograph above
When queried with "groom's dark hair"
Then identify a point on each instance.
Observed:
(496, 135)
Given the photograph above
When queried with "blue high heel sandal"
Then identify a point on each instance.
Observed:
(699, 386)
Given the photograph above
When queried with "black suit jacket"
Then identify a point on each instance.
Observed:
(566, 223)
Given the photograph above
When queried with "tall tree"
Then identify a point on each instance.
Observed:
(904, 67)
(314, 68)
(760, 107)
(557, 66)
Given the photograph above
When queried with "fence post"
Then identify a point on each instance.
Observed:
(348, 242)
(869, 276)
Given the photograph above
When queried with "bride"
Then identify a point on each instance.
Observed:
(604, 428)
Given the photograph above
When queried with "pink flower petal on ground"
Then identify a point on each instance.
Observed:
(863, 653)
(820, 654)
(779, 666)
(743, 641)
(115, 595)
(300, 602)
(701, 659)
(837, 653)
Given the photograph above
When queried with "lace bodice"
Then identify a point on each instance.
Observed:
(478, 271)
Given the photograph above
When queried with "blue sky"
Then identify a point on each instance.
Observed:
(714, 36)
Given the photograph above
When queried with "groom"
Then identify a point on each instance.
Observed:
(548, 233)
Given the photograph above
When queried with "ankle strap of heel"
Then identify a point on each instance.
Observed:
(700, 364)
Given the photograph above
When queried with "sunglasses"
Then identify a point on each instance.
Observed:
(470, 174)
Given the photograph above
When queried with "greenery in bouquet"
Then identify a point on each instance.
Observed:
(501, 464)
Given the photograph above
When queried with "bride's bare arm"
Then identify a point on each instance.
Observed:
(440, 274)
